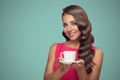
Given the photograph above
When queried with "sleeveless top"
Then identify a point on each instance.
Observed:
(71, 74)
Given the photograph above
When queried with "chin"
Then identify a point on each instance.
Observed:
(73, 39)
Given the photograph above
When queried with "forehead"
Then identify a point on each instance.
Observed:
(67, 18)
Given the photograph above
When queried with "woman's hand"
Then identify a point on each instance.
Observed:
(63, 67)
(78, 65)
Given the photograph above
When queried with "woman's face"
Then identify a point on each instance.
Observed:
(70, 27)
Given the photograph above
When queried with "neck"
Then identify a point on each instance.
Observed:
(74, 44)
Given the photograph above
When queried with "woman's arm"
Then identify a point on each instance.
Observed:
(94, 75)
(98, 60)
(49, 73)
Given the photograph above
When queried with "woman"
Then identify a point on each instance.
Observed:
(77, 32)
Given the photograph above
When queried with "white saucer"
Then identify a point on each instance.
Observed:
(68, 62)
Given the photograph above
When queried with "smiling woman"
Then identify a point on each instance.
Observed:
(70, 27)
(88, 58)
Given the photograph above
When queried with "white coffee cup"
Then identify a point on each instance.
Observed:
(68, 56)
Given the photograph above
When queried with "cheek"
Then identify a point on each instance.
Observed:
(79, 33)
(64, 30)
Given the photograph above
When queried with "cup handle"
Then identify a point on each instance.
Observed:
(61, 55)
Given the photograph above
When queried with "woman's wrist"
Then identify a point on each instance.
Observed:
(82, 74)
(81, 70)
(60, 72)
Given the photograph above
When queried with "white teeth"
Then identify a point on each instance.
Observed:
(71, 33)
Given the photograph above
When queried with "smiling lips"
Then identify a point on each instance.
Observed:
(71, 34)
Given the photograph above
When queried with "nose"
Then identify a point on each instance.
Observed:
(69, 28)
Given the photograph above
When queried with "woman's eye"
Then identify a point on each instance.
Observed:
(65, 25)
(74, 24)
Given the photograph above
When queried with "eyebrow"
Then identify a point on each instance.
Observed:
(73, 22)
(70, 22)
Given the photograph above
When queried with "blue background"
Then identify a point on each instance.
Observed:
(29, 27)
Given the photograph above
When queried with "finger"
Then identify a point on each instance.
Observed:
(73, 64)
(60, 59)
(82, 61)
(66, 67)
(61, 67)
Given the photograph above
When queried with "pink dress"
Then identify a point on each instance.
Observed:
(71, 74)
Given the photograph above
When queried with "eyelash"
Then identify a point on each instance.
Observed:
(65, 25)
(73, 24)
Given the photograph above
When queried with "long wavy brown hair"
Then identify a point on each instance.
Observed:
(86, 39)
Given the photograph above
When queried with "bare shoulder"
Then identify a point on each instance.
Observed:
(98, 53)
(98, 57)
(53, 46)
(52, 49)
